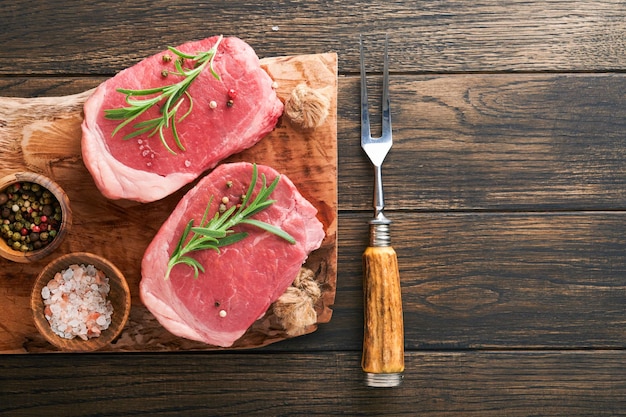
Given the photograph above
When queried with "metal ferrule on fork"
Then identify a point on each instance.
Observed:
(379, 231)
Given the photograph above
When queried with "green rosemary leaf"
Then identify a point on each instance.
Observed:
(209, 232)
(180, 54)
(197, 266)
(190, 107)
(271, 228)
(139, 131)
(203, 244)
(260, 207)
(220, 220)
(248, 195)
(162, 138)
(184, 236)
(232, 238)
(145, 92)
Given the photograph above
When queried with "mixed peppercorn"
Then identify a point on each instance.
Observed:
(30, 216)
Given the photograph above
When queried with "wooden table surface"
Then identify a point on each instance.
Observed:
(506, 185)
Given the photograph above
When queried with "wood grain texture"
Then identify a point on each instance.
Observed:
(475, 384)
(450, 36)
(43, 135)
(383, 331)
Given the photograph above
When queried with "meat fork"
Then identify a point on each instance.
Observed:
(383, 338)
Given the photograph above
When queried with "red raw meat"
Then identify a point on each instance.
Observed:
(141, 168)
(242, 280)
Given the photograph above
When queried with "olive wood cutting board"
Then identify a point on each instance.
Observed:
(43, 135)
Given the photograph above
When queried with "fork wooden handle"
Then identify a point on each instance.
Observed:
(383, 339)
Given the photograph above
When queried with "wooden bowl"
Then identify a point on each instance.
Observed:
(119, 296)
(66, 220)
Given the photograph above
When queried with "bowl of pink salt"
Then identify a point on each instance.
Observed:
(80, 302)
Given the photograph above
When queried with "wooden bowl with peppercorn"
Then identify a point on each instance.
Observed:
(80, 302)
(35, 216)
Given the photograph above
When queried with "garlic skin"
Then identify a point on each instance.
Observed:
(295, 309)
(306, 107)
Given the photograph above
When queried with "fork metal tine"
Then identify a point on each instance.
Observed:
(386, 127)
(386, 114)
(365, 118)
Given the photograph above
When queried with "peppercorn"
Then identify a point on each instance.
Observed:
(3, 198)
(47, 210)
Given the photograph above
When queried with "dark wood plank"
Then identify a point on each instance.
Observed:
(77, 37)
(481, 384)
(47, 86)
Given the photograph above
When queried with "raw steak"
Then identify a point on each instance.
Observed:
(141, 168)
(243, 279)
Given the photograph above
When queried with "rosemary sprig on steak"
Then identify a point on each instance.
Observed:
(173, 96)
(218, 231)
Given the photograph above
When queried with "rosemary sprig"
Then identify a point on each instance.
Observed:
(218, 231)
(173, 94)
